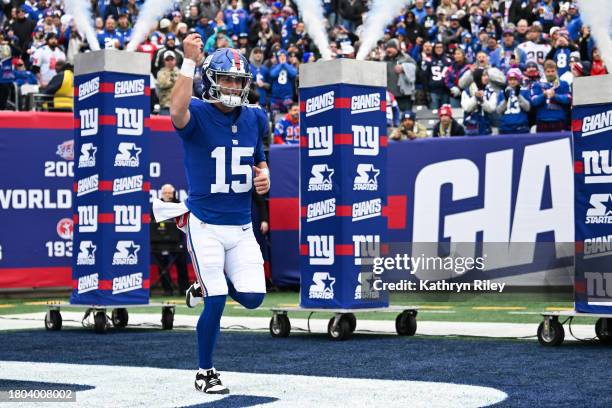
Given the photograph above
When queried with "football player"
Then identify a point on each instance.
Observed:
(224, 159)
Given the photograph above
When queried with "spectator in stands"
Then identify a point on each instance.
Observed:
(477, 101)
(213, 42)
(496, 77)
(551, 98)
(193, 16)
(287, 129)
(260, 75)
(123, 28)
(510, 56)
(513, 105)
(109, 38)
(23, 28)
(45, 58)
(447, 126)
(166, 78)
(159, 58)
(22, 75)
(350, 12)
(561, 52)
(575, 68)
(235, 18)
(282, 77)
(61, 86)
(434, 74)
(409, 128)
(401, 75)
(597, 65)
(453, 73)
(114, 10)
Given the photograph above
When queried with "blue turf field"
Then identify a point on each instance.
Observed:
(575, 374)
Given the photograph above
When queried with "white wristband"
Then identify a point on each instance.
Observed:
(188, 68)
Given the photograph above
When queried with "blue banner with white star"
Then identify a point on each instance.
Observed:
(592, 131)
(343, 144)
(110, 262)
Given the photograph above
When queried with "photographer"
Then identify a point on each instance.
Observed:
(167, 247)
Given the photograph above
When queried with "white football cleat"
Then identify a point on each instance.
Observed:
(210, 383)
(194, 295)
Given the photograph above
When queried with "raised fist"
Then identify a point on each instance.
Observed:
(193, 48)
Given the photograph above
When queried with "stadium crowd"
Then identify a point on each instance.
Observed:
(482, 66)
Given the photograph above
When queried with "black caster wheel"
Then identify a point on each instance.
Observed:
(167, 319)
(554, 336)
(100, 321)
(53, 320)
(119, 318)
(352, 320)
(340, 331)
(405, 323)
(282, 326)
(603, 329)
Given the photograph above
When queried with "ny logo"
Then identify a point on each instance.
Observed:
(366, 247)
(321, 249)
(597, 166)
(320, 141)
(365, 140)
(127, 218)
(599, 285)
(88, 218)
(89, 121)
(130, 122)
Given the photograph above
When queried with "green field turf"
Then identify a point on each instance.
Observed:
(481, 308)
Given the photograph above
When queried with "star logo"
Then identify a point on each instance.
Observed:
(134, 152)
(373, 175)
(132, 249)
(608, 205)
(91, 249)
(91, 152)
(327, 174)
(328, 283)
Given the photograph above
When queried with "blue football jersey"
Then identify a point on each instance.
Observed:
(219, 163)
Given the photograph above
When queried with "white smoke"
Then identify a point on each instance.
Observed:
(598, 16)
(314, 20)
(151, 11)
(381, 14)
(81, 11)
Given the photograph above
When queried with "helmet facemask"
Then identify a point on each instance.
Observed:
(231, 97)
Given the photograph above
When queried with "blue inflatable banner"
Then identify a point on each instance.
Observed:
(497, 189)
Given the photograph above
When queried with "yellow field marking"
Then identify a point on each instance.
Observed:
(231, 302)
(435, 307)
(499, 308)
(288, 304)
(6, 305)
(38, 303)
(559, 308)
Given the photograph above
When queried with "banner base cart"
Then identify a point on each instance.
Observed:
(344, 322)
(101, 321)
(552, 333)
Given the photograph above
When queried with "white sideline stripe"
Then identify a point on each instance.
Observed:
(121, 386)
(429, 328)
